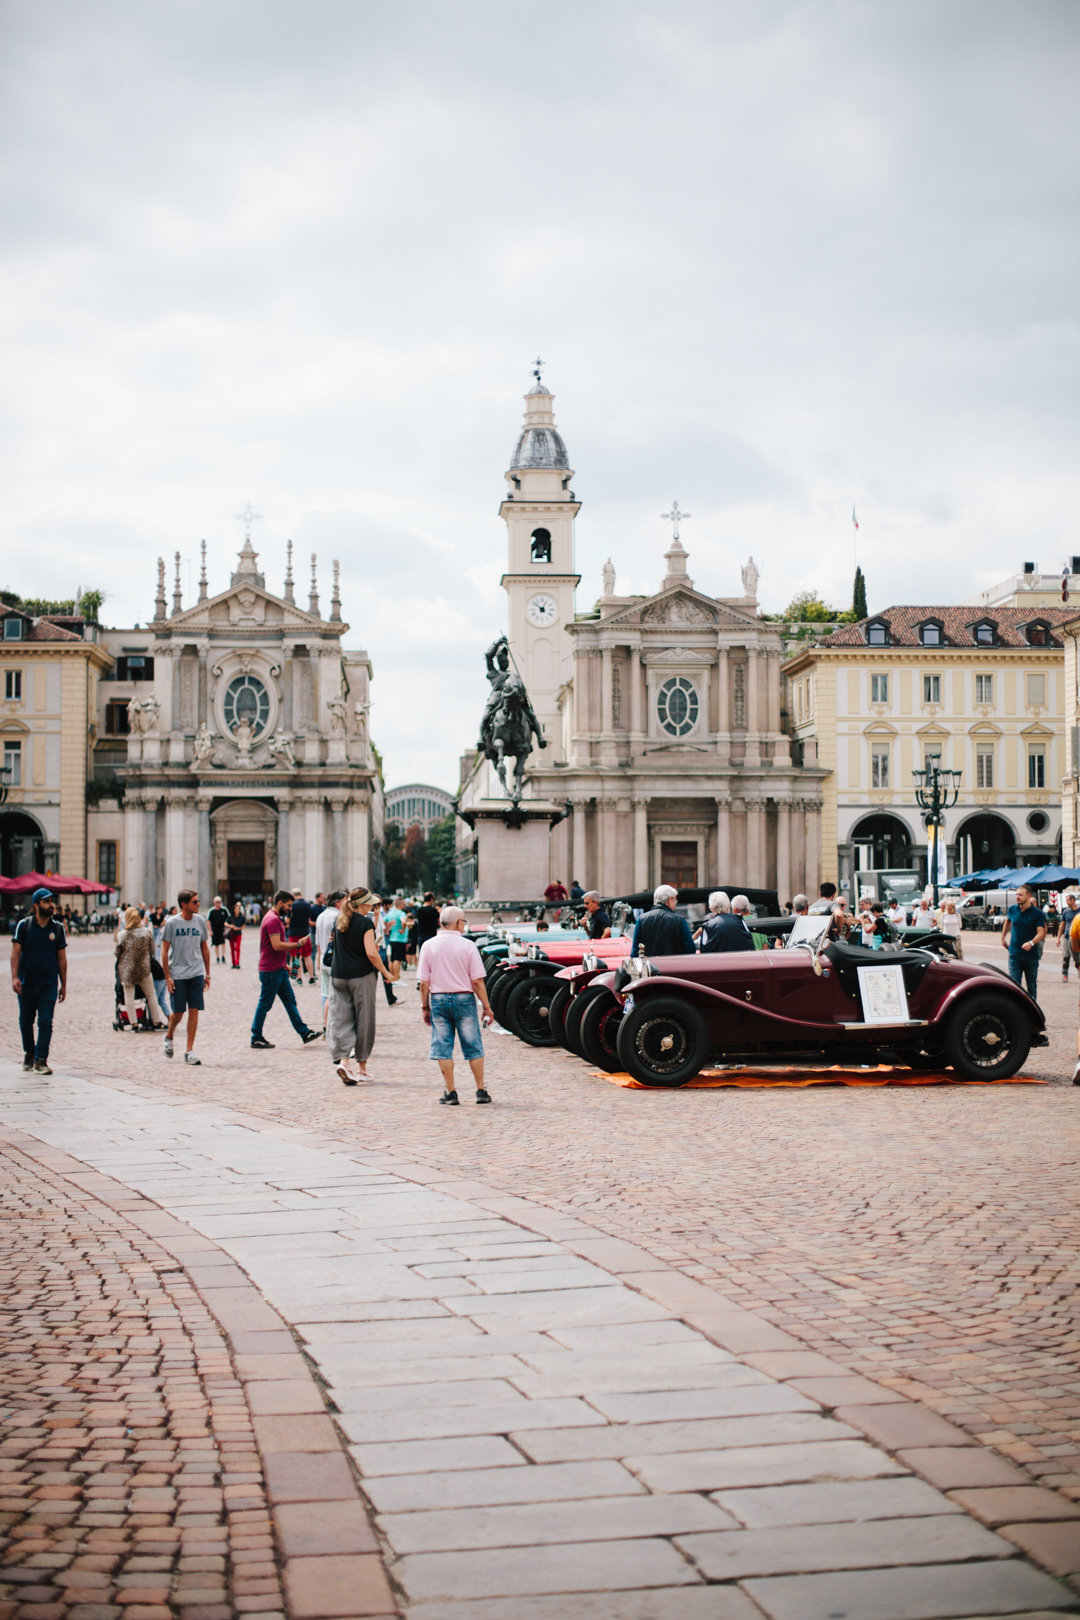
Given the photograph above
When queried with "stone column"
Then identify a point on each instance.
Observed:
(607, 855)
(641, 843)
(150, 877)
(783, 851)
(205, 876)
(283, 854)
(811, 847)
(637, 705)
(753, 706)
(723, 694)
(723, 840)
(337, 841)
(605, 689)
(580, 846)
(755, 843)
(358, 842)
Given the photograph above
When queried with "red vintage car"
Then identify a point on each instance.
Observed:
(663, 1019)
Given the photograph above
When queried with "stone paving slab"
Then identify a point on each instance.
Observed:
(596, 1389)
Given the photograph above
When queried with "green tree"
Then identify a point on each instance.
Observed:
(440, 868)
(808, 608)
(393, 864)
(858, 600)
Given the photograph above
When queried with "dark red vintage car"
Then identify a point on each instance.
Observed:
(530, 996)
(663, 1019)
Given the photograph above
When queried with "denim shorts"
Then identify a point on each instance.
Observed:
(450, 1012)
(188, 993)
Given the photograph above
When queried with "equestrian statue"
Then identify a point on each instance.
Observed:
(508, 723)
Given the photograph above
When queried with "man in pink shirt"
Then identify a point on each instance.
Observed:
(451, 977)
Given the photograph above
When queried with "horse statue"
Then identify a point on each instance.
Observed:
(507, 731)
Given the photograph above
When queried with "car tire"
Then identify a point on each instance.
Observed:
(987, 1037)
(644, 1031)
(526, 1009)
(598, 1032)
(574, 1014)
(557, 1008)
(498, 996)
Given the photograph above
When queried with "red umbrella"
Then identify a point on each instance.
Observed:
(55, 884)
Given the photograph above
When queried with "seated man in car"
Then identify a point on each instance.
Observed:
(727, 930)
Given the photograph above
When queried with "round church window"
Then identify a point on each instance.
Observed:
(247, 699)
(677, 706)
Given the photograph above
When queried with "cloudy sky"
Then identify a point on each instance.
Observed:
(778, 258)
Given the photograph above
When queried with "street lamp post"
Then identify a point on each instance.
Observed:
(936, 790)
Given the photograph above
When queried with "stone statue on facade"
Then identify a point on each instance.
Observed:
(204, 744)
(509, 722)
(243, 733)
(609, 578)
(338, 714)
(143, 715)
(750, 576)
(280, 749)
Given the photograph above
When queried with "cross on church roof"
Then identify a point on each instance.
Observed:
(537, 367)
(247, 517)
(675, 517)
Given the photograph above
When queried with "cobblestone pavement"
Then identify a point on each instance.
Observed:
(926, 1238)
(130, 1480)
(550, 1424)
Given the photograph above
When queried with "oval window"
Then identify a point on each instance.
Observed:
(247, 700)
(677, 706)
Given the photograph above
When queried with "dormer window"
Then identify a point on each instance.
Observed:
(985, 635)
(1038, 634)
(877, 634)
(13, 628)
(540, 549)
(931, 635)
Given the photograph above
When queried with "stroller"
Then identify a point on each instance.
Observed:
(143, 1019)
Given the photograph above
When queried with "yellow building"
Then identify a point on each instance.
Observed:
(48, 708)
(982, 692)
(1070, 773)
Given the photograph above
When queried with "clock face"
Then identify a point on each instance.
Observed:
(542, 610)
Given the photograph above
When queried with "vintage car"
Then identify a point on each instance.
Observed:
(529, 997)
(663, 1019)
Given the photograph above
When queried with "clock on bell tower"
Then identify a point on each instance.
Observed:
(540, 580)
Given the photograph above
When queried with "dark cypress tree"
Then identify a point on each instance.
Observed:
(858, 602)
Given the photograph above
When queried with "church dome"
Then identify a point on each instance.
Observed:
(540, 447)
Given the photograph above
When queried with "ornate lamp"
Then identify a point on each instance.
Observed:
(936, 790)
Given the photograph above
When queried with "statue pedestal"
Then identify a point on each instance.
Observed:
(512, 847)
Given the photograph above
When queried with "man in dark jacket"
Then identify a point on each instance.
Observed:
(662, 932)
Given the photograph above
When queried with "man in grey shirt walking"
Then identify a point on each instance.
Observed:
(185, 956)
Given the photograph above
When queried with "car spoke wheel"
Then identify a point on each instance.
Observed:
(663, 1042)
(526, 1009)
(987, 1038)
(598, 1032)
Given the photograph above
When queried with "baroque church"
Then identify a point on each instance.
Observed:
(239, 727)
(662, 714)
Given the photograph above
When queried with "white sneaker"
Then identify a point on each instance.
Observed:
(189, 1057)
(167, 1046)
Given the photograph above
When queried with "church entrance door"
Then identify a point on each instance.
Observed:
(246, 865)
(678, 864)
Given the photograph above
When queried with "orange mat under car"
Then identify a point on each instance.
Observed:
(883, 1075)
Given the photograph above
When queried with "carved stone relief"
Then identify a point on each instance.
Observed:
(738, 696)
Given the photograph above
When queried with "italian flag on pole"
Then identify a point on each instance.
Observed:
(854, 519)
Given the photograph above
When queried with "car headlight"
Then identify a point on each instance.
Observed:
(590, 961)
(537, 954)
(639, 967)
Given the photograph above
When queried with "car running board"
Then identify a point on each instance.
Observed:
(903, 1023)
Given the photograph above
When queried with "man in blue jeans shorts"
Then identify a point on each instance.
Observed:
(451, 977)
(1022, 934)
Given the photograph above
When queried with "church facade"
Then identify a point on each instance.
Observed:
(239, 729)
(662, 714)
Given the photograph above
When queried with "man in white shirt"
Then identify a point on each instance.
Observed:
(922, 916)
(324, 927)
(897, 915)
(451, 977)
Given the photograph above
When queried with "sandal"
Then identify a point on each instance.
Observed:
(343, 1074)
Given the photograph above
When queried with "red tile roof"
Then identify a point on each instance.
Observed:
(42, 630)
(957, 623)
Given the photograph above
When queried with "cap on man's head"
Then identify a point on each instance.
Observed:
(40, 894)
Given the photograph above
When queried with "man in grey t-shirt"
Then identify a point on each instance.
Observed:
(185, 956)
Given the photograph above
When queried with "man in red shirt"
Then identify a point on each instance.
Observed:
(555, 894)
(274, 975)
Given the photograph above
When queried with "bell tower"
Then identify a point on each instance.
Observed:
(540, 580)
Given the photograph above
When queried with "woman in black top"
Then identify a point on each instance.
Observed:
(354, 962)
(234, 932)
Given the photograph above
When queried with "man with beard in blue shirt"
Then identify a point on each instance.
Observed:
(38, 977)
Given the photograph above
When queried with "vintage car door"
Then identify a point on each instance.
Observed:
(799, 993)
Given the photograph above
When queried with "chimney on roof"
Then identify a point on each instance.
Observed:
(1029, 568)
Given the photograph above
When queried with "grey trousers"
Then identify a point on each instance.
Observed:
(350, 1022)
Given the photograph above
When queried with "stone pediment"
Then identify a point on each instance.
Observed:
(249, 606)
(682, 607)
